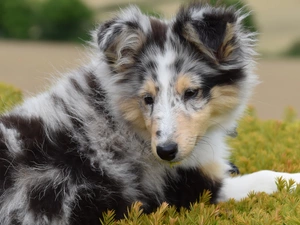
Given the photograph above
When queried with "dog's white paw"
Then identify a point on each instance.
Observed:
(263, 181)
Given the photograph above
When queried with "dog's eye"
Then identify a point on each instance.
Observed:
(148, 100)
(190, 93)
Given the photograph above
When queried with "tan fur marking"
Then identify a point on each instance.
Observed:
(213, 170)
(190, 129)
(227, 48)
(151, 125)
(153, 128)
(131, 112)
(183, 83)
(223, 99)
(149, 88)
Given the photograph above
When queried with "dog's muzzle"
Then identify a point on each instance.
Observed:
(167, 151)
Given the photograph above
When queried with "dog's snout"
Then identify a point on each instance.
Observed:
(168, 151)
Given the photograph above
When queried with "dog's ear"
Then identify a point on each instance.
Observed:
(120, 38)
(212, 30)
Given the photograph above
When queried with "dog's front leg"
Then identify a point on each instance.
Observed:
(263, 181)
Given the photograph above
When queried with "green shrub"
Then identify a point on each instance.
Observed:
(9, 96)
(276, 209)
(267, 144)
(46, 20)
(64, 20)
(16, 18)
(294, 50)
(1, 18)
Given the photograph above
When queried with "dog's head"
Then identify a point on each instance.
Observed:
(176, 81)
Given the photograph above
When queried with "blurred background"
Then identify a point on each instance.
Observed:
(41, 39)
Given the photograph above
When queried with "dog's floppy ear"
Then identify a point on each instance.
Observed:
(120, 38)
(212, 30)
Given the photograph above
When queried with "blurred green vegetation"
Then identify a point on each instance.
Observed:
(294, 50)
(45, 20)
(16, 18)
(65, 20)
(9, 96)
(269, 144)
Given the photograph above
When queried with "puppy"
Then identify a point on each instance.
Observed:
(145, 120)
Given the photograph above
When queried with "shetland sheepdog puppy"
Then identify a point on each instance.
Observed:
(145, 120)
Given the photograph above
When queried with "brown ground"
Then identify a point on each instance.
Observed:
(279, 87)
(30, 65)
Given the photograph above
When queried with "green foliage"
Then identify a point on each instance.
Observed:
(9, 96)
(276, 209)
(64, 19)
(268, 144)
(16, 18)
(294, 50)
(108, 218)
(45, 20)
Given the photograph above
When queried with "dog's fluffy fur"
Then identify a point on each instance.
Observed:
(145, 120)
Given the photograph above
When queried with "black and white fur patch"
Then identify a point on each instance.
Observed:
(145, 120)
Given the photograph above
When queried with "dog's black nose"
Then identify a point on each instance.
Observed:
(168, 151)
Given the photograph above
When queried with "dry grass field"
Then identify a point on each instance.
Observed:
(29, 65)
